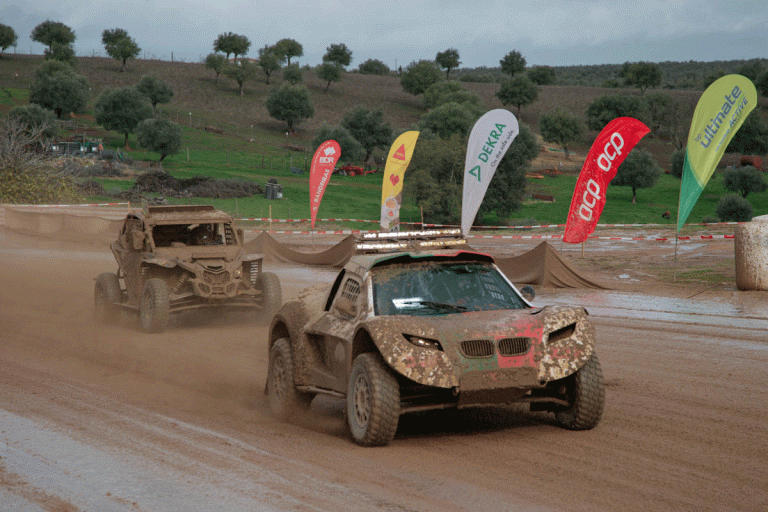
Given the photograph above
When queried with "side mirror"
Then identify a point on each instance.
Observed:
(346, 306)
(528, 292)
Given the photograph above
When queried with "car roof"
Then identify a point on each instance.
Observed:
(362, 263)
(183, 213)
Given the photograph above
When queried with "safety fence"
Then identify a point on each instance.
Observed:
(28, 218)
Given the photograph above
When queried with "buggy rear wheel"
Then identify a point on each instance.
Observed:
(106, 295)
(271, 296)
(373, 401)
(154, 308)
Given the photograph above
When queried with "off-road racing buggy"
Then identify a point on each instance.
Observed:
(414, 321)
(176, 258)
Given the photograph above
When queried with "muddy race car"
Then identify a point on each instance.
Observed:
(414, 322)
(179, 258)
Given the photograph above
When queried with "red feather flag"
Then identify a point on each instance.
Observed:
(609, 150)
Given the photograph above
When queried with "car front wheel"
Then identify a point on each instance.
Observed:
(373, 401)
(586, 395)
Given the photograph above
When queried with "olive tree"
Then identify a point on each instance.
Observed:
(448, 60)
(287, 48)
(744, 180)
(8, 37)
(435, 92)
(448, 119)
(339, 54)
(512, 63)
(268, 61)
(155, 89)
(230, 43)
(348, 144)
(752, 136)
(518, 91)
(642, 75)
(561, 127)
(293, 74)
(368, 128)
(121, 110)
(159, 135)
(49, 32)
(329, 72)
(241, 72)
(289, 103)
(57, 87)
(605, 109)
(216, 62)
(62, 53)
(373, 67)
(418, 76)
(639, 170)
(119, 45)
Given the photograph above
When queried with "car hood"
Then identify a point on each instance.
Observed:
(554, 340)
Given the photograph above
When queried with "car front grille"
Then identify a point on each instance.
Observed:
(514, 346)
(215, 277)
(486, 348)
(477, 348)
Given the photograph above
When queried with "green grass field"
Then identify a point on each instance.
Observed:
(231, 136)
(359, 197)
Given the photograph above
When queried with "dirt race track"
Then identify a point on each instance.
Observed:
(108, 418)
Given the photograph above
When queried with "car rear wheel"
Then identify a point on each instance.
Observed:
(284, 399)
(586, 395)
(373, 401)
(271, 296)
(154, 308)
(106, 295)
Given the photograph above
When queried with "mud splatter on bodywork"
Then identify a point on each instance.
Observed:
(470, 352)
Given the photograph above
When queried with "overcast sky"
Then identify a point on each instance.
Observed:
(397, 32)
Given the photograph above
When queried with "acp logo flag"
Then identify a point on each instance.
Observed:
(399, 157)
(323, 162)
(488, 141)
(719, 114)
(609, 150)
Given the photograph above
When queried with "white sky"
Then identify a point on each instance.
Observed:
(554, 33)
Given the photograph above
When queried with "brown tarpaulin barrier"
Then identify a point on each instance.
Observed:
(335, 256)
(543, 265)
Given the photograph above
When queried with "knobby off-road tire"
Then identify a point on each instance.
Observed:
(271, 296)
(586, 394)
(285, 401)
(373, 401)
(154, 309)
(106, 295)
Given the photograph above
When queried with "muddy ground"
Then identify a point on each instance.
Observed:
(110, 418)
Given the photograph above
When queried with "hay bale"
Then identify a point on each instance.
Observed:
(751, 254)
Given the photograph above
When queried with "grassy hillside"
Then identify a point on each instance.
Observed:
(228, 135)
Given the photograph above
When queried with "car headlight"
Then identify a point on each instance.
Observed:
(422, 342)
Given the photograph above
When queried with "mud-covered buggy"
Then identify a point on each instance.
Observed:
(180, 258)
(416, 321)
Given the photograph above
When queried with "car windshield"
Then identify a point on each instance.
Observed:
(196, 234)
(436, 288)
